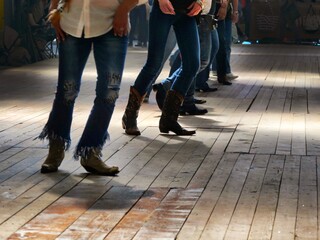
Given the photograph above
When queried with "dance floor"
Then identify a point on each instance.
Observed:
(252, 170)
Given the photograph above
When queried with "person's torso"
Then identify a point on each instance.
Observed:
(91, 17)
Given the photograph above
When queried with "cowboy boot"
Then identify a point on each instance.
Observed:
(170, 113)
(94, 164)
(160, 94)
(55, 156)
(129, 119)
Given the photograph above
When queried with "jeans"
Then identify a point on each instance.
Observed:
(202, 77)
(109, 55)
(228, 39)
(186, 32)
(205, 35)
(170, 45)
(221, 57)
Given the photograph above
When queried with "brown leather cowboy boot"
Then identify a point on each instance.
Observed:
(170, 113)
(55, 156)
(94, 164)
(129, 119)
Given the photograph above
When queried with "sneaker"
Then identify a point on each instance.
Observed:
(213, 74)
(231, 76)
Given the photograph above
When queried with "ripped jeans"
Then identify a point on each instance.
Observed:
(109, 54)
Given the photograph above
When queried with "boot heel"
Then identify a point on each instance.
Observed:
(123, 125)
(168, 121)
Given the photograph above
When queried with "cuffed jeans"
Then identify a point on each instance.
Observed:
(109, 54)
(186, 32)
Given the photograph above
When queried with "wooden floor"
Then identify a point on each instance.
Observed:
(252, 171)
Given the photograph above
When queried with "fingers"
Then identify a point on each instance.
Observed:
(167, 8)
(60, 35)
(195, 9)
(120, 31)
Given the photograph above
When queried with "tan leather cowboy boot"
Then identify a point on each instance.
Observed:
(94, 164)
(55, 156)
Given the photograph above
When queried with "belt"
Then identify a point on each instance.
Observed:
(209, 20)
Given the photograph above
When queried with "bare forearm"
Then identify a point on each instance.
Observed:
(53, 4)
(128, 5)
(235, 5)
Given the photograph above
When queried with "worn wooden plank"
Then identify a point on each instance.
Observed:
(262, 224)
(242, 217)
(245, 133)
(265, 140)
(307, 217)
(285, 220)
(272, 108)
(221, 215)
(98, 220)
(168, 218)
(154, 167)
(142, 211)
(312, 136)
(285, 134)
(299, 135)
(184, 164)
(199, 216)
(67, 210)
(299, 101)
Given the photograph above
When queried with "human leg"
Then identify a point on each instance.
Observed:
(228, 37)
(157, 43)
(203, 76)
(187, 35)
(222, 55)
(73, 55)
(228, 41)
(189, 106)
(170, 45)
(109, 70)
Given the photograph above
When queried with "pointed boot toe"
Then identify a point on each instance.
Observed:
(95, 165)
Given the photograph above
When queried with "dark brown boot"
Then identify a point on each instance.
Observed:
(55, 156)
(129, 119)
(170, 113)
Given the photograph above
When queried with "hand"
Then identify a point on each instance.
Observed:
(222, 13)
(166, 7)
(194, 9)
(235, 17)
(54, 19)
(120, 22)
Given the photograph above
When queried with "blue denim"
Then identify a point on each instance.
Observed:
(202, 77)
(170, 45)
(186, 32)
(205, 35)
(221, 54)
(109, 55)
(228, 38)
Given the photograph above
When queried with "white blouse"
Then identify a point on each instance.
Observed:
(93, 17)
